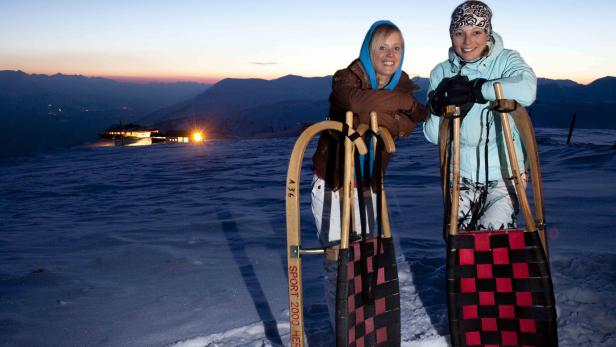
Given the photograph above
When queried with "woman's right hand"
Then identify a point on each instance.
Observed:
(436, 100)
(457, 91)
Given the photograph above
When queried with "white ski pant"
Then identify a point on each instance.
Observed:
(491, 206)
(327, 206)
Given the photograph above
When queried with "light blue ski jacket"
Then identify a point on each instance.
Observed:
(519, 83)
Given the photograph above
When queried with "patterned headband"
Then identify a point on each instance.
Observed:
(471, 13)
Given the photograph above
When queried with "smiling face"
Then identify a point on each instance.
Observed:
(469, 42)
(386, 56)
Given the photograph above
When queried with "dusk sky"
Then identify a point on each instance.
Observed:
(198, 40)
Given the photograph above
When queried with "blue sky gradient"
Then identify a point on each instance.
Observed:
(211, 40)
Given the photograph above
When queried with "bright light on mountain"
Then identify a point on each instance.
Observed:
(198, 136)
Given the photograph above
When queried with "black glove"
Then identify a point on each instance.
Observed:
(458, 91)
(461, 91)
(451, 91)
(436, 100)
(476, 85)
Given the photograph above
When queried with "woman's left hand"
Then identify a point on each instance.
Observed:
(461, 91)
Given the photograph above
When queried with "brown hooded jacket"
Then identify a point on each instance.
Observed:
(397, 110)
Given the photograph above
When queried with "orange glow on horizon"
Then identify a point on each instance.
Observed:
(163, 79)
(586, 79)
(153, 78)
(156, 78)
(191, 78)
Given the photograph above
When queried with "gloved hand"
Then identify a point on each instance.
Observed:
(476, 85)
(458, 91)
(462, 91)
(436, 100)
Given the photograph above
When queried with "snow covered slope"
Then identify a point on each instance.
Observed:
(185, 245)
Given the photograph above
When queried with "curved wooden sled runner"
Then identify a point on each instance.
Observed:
(294, 250)
(498, 282)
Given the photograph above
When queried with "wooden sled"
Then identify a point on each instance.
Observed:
(357, 321)
(294, 249)
(499, 285)
(368, 293)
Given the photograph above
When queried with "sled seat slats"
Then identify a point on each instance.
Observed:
(498, 297)
(376, 322)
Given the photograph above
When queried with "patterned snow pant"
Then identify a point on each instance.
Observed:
(491, 206)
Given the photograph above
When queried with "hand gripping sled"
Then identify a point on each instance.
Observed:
(498, 282)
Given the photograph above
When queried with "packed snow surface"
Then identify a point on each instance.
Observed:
(184, 245)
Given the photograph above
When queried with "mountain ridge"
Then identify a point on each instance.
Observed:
(40, 111)
(220, 107)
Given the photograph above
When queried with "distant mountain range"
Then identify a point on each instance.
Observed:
(248, 107)
(558, 100)
(254, 107)
(40, 111)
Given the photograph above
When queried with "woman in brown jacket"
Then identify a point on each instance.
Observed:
(373, 82)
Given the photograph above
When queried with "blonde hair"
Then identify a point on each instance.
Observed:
(380, 35)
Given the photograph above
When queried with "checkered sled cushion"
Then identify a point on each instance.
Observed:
(368, 307)
(499, 290)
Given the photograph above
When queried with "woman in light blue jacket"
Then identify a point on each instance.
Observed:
(477, 59)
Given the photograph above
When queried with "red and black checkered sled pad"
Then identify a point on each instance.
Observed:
(499, 290)
(368, 306)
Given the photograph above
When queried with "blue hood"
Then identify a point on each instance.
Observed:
(366, 61)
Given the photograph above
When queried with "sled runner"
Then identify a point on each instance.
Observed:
(367, 294)
(499, 285)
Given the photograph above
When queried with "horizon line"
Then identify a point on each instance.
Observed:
(214, 80)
